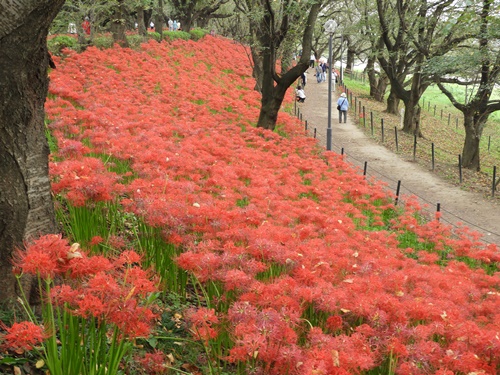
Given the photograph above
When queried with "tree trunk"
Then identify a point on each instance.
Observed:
(411, 119)
(141, 24)
(378, 83)
(274, 87)
(350, 59)
(186, 23)
(381, 88)
(272, 96)
(258, 67)
(392, 103)
(26, 207)
(473, 132)
(159, 19)
(118, 25)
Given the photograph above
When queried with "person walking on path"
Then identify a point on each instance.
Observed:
(319, 73)
(312, 60)
(342, 106)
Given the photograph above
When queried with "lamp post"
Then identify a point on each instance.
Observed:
(330, 27)
(341, 56)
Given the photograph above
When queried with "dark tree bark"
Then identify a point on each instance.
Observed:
(118, 24)
(392, 103)
(274, 86)
(159, 21)
(378, 82)
(26, 207)
(141, 24)
(351, 53)
(473, 132)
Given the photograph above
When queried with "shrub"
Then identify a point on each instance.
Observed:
(103, 42)
(173, 35)
(154, 35)
(58, 43)
(197, 34)
(136, 40)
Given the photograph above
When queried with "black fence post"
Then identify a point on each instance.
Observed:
(397, 193)
(364, 117)
(494, 184)
(460, 168)
(432, 155)
(396, 138)
(382, 128)
(314, 133)
(365, 168)
(438, 209)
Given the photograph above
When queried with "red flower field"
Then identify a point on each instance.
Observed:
(321, 273)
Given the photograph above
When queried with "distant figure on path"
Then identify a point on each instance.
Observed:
(303, 77)
(86, 26)
(319, 73)
(300, 94)
(312, 61)
(342, 106)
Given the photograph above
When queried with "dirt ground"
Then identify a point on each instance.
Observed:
(457, 206)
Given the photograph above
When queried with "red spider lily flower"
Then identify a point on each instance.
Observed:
(203, 323)
(47, 257)
(22, 336)
(155, 363)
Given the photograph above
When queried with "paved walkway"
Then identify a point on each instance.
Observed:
(456, 205)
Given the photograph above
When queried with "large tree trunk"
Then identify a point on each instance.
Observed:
(118, 25)
(141, 24)
(411, 118)
(159, 19)
(378, 82)
(26, 207)
(473, 132)
(392, 103)
(412, 106)
(274, 86)
(350, 59)
(272, 95)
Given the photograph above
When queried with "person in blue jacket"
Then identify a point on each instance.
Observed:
(342, 106)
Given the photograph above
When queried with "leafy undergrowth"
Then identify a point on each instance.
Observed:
(447, 136)
(272, 255)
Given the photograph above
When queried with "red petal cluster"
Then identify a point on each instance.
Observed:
(294, 232)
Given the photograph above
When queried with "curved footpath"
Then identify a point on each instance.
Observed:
(456, 205)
